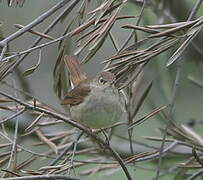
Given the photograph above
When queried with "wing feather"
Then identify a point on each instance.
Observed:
(76, 95)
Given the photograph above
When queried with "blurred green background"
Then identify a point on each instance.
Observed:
(189, 101)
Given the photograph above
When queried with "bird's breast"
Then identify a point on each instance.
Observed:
(100, 109)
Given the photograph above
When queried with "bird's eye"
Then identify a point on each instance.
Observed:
(102, 81)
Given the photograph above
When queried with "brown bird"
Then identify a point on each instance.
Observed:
(94, 102)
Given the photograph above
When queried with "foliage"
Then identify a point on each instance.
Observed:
(89, 28)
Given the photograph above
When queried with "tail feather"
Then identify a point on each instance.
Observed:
(74, 68)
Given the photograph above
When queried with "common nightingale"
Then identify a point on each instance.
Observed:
(94, 102)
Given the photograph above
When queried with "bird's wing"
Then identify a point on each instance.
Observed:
(76, 96)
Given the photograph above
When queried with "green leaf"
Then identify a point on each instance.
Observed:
(32, 69)
(184, 45)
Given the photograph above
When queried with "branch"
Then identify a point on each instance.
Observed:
(75, 124)
(37, 47)
(37, 21)
(48, 29)
(43, 177)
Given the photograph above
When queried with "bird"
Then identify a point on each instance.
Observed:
(94, 101)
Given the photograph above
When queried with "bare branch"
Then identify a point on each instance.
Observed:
(37, 21)
(44, 177)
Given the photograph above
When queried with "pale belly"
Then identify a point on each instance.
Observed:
(100, 111)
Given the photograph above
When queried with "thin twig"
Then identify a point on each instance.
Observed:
(65, 151)
(132, 33)
(161, 153)
(36, 47)
(37, 21)
(3, 51)
(157, 155)
(48, 29)
(175, 89)
(46, 141)
(19, 26)
(14, 115)
(32, 125)
(25, 149)
(12, 163)
(166, 172)
(194, 10)
(198, 173)
(44, 177)
(113, 40)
